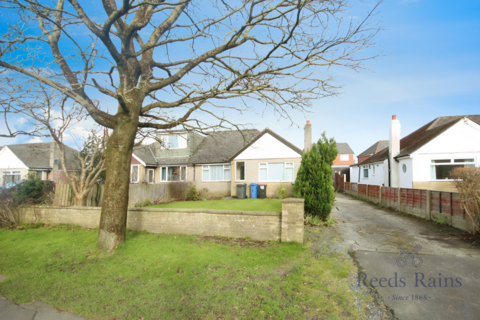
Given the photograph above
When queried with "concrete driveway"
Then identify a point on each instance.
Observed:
(416, 266)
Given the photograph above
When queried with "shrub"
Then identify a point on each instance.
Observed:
(202, 194)
(32, 191)
(314, 181)
(467, 182)
(281, 192)
(144, 203)
(192, 193)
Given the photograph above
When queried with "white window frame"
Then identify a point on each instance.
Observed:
(244, 170)
(168, 181)
(147, 176)
(373, 170)
(347, 156)
(206, 167)
(284, 170)
(138, 173)
(452, 162)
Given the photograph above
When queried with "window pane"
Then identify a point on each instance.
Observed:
(263, 165)
(263, 174)
(216, 173)
(205, 174)
(442, 161)
(174, 174)
(463, 160)
(289, 164)
(135, 173)
(365, 173)
(226, 174)
(184, 174)
(276, 171)
(289, 174)
(173, 141)
(165, 142)
(441, 172)
(164, 174)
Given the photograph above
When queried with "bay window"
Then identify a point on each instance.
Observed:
(216, 172)
(276, 171)
(440, 168)
(173, 174)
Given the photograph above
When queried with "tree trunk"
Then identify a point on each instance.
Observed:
(113, 219)
(80, 202)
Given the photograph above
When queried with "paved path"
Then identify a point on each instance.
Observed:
(9, 310)
(445, 284)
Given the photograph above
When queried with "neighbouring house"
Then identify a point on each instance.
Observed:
(374, 149)
(17, 160)
(424, 158)
(218, 160)
(345, 158)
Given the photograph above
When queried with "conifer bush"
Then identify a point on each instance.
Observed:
(314, 181)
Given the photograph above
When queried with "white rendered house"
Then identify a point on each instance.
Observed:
(424, 158)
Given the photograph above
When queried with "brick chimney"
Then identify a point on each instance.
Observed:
(394, 150)
(308, 136)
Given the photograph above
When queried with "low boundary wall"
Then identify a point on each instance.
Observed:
(285, 226)
(427, 204)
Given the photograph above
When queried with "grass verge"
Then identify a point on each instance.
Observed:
(158, 276)
(273, 205)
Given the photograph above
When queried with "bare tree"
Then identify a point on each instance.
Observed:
(51, 114)
(179, 63)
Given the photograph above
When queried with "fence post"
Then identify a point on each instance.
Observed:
(399, 199)
(428, 214)
(366, 193)
(380, 194)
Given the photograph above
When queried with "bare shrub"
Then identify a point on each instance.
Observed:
(178, 190)
(467, 182)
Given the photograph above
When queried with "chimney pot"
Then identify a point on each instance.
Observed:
(308, 121)
(394, 117)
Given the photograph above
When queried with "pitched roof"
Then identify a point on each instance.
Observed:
(146, 154)
(344, 148)
(422, 136)
(219, 146)
(375, 148)
(37, 155)
(276, 136)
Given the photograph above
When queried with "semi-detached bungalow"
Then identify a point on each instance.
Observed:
(424, 158)
(17, 160)
(218, 160)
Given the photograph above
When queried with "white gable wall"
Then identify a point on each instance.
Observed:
(9, 160)
(267, 147)
(462, 140)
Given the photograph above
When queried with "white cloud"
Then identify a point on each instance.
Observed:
(35, 140)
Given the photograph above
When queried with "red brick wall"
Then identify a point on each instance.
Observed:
(350, 160)
(360, 159)
(135, 161)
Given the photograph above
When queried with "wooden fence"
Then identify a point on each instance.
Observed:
(427, 204)
(155, 193)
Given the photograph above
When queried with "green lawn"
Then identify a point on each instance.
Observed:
(274, 205)
(158, 276)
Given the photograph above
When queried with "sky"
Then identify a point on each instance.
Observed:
(430, 67)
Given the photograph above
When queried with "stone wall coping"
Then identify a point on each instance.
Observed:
(207, 211)
(293, 200)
